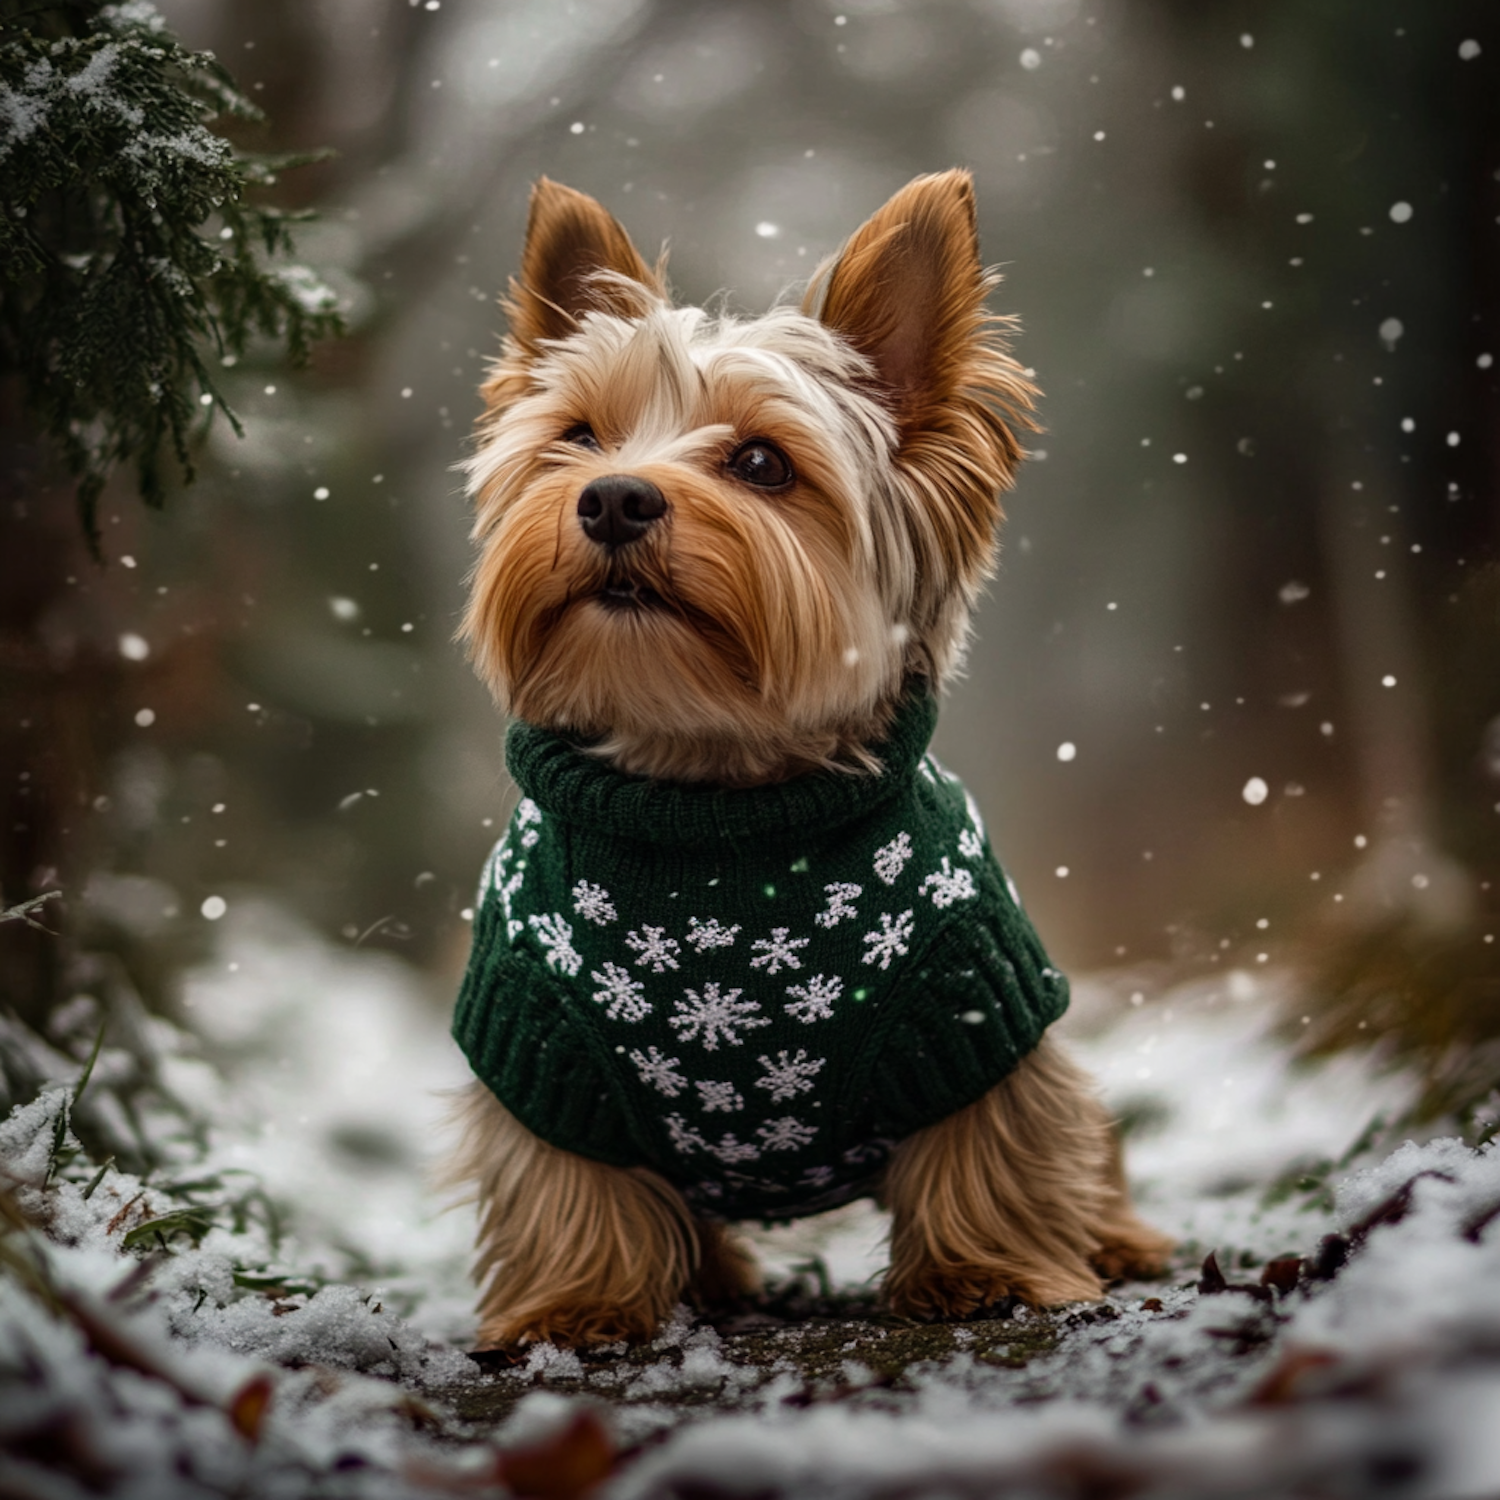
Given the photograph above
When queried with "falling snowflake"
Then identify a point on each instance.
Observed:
(841, 896)
(789, 1076)
(786, 1135)
(721, 1098)
(890, 940)
(684, 1137)
(660, 1072)
(592, 903)
(712, 1015)
(817, 1177)
(528, 819)
(778, 951)
(891, 858)
(711, 934)
(949, 885)
(815, 999)
(622, 996)
(555, 934)
(655, 948)
(729, 1150)
(970, 845)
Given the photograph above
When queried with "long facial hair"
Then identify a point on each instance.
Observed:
(748, 635)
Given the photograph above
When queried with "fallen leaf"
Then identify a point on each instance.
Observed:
(248, 1406)
(562, 1466)
(1282, 1273)
(1280, 1387)
(1212, 1281)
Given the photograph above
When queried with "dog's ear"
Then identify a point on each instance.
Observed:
(908, 292)
(577, 259)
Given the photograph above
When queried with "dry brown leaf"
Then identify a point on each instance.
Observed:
(565, 1465)
(248, 1406)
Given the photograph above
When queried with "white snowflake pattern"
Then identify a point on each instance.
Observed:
(494, 877)
(622, 997)
(786, 1134)
(778, 951)
(890, 939)
(729, 1150)
(684, 1137)
(970, 845)
(948, 885)
(509, 890)
(655, 948)
(513, 929)
(718, 1098)
(555, 933)
(658, 1071)
(592, 903)
(494, 867)
(841, 895)
(815, 999)
(891, 858)
(789, 1076)
(817, 1177)
(975, 816)
(529, 820)
(711, 934)
(712, 1015)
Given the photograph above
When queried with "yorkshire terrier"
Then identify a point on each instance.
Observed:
(744, 951)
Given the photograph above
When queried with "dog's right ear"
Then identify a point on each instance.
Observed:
(577, 259)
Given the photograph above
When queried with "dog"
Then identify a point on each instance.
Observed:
(744, 950)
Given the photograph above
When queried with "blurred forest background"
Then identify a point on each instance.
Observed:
(1236, 691)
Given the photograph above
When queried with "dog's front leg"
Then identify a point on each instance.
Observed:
(1018, 1195)
(569, 1251)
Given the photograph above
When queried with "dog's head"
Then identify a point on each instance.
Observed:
(717, 546)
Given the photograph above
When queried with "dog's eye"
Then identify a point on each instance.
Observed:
(762, 464)
(582, 436)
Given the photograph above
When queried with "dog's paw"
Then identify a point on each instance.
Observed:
(1134, 1252)
(947, 1294)
(569, 1327)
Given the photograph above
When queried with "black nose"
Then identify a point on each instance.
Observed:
(619, 508)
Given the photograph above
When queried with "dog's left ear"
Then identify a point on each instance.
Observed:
(908, 293)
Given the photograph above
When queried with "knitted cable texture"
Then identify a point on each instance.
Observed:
(757, 993)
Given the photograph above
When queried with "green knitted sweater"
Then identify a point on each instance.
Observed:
(756, 993)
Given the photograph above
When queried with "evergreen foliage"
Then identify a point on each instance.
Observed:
(129, 250)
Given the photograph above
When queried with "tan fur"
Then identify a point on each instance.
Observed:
(788, 621)
(575, 1252)
(792, 619)
(1016, 1196)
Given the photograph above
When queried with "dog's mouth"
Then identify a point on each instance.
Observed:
(622, 594)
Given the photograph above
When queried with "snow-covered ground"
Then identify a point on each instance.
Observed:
(159, 1338)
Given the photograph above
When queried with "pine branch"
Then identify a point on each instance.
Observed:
(130, 248)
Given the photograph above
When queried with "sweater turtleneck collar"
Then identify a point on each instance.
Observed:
(577, 787)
